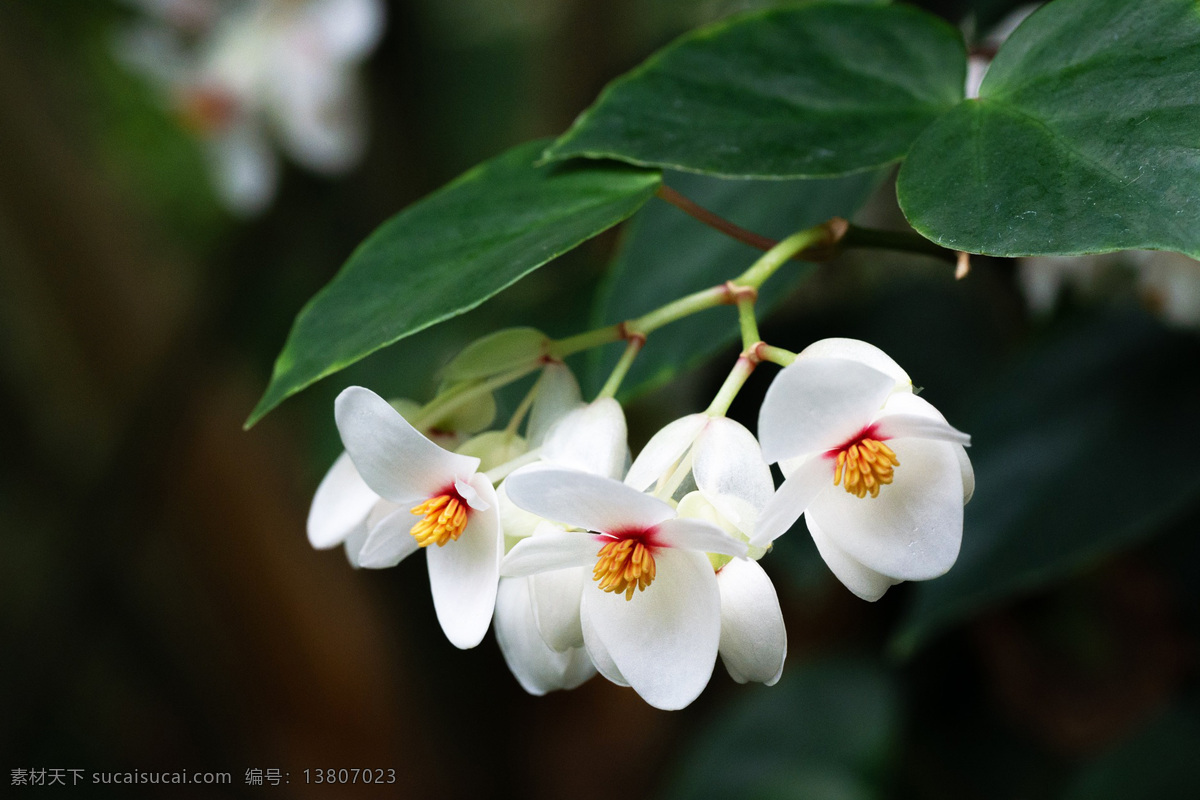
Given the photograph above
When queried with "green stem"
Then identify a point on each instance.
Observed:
(562, 348)
(776, 355)
(747, 321)
(683, 307)
(526, 402)
(777, 256)
(730, 388)
(618, 374)
(716, 221)
(904, 241)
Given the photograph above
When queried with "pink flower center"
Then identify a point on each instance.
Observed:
(444, 518)
(864, 464)
(625, 565)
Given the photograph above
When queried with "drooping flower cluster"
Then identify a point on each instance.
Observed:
(647, 571)
(250, 75)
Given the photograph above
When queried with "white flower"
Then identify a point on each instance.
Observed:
(538, 623)
(276, 69)
(537, 667)
(441, 503)
(1170, 285)
(879, 475)
(733, 484)
(344, 508)
(651, 616)
(980, 59)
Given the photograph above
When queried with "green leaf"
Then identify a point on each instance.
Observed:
(667, 255)
(1085, 138)
(1073, 456)
(825, 730)
(821, 90)
(448, 253)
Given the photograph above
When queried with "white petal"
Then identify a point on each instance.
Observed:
(664, 450)
(556, 596)
(730, 471)
(911, 405)
(699, 536)
(551, 551)
(354, 545)
(664, 640)
(902, 426)
(906, 415)
(863, 353)
(591, 438)
(753, 638)
(863, 581)
(245, 168)
(536, 667)
(913, 529)
(579, 669)
(597, 652)
(819, 403)
(393, 458)
(317, 108)
(341, 504)
(390, 540)
(977, 67)
(585, 501)
(474, 499)
(558, 393)
(348, 29)
(463, 574)
(968, 474)
(797, 493)
(516, 522)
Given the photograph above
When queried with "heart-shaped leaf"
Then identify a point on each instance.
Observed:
(1085, 138)
(820, 90)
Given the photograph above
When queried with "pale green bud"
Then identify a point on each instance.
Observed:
(503, 351)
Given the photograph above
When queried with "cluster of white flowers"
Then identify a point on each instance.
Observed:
(646, 571)
(245, 75)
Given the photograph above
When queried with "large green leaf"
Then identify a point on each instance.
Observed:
(448, 253)
(1085, 138)
(667, 255)
(825, 731)
(1079, 452)
(820, 90)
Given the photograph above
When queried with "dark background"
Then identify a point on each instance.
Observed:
(160, 608)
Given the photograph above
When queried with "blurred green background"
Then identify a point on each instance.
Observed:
(160, 608)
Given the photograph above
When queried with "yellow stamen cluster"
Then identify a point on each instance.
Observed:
(866, 465)
(624, 566)
(444, 519)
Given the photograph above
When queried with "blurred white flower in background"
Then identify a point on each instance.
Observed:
(1167, 283)
(984, 51)
(248, 76)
